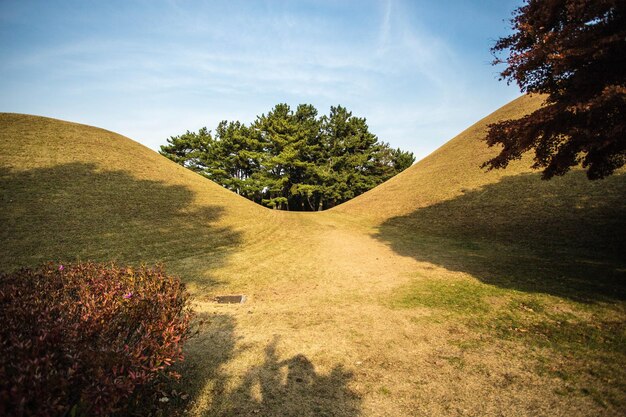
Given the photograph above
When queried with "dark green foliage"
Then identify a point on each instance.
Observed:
(88, 339)
(291, 160)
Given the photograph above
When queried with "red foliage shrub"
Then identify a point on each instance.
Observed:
(84, 339)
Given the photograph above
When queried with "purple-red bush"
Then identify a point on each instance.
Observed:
(84, 339)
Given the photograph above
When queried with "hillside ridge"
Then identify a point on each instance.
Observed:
(445, 285)
(447, 172)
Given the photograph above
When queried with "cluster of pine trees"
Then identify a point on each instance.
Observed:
(291, 160)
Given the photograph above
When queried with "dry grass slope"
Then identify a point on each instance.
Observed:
(448, 172)
(445, 291)
(70, 191)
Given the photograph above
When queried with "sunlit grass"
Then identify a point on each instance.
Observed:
(446, 291)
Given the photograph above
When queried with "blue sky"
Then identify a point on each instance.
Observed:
(419, 71)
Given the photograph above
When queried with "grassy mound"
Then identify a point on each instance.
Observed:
(69, 191)
(505, 225)
(444, 291)
(448, 172)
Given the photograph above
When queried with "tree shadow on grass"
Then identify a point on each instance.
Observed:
(78, 211)
(276, 387)
(288, 388)
(205, 354)
(565, 237)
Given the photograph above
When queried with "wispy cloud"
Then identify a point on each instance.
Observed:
(383, 36)
(148, 70)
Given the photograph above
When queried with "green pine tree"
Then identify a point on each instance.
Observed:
(292, 160)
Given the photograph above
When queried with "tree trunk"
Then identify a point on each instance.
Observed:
(308, 200)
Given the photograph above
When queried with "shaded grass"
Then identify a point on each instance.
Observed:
(564, 238)
(583, 345)
(563, 215)
(206, 354)
(70, 191)
(289, 387)
(587, 353)
(77, 211)
(540, 264)
(500, 259)
(275, 387)
(74, 192)
(523, 254)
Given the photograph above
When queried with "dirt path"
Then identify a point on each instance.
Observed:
(318, 336)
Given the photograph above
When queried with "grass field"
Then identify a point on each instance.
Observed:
(445, 291)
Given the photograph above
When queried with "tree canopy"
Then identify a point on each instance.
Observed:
(574, 51)
(291, 160)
